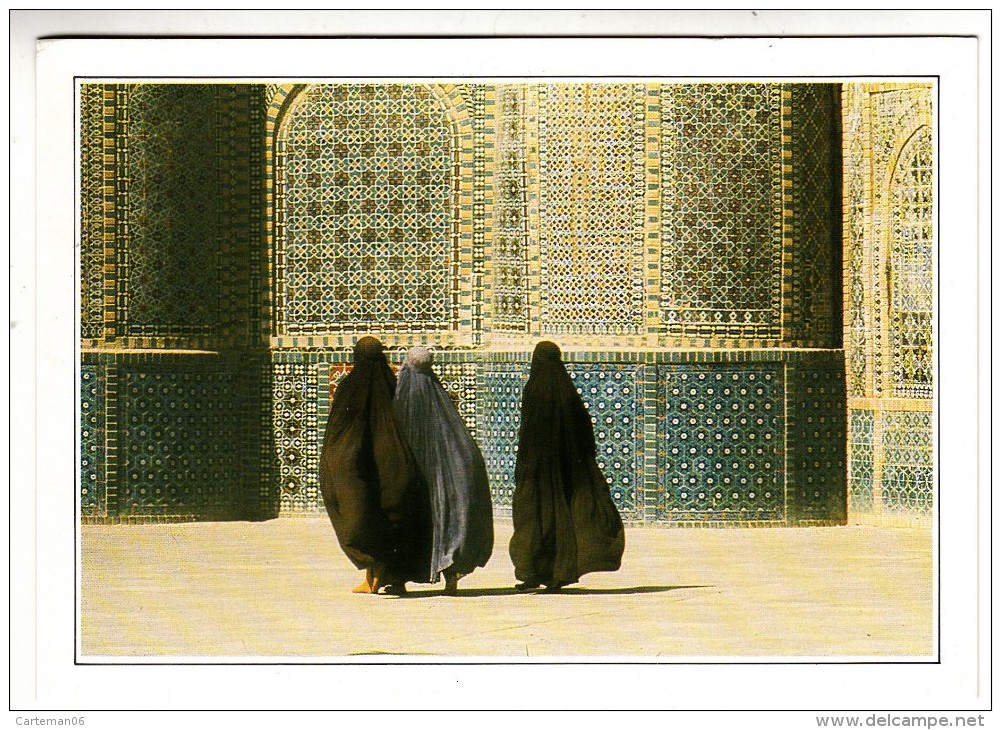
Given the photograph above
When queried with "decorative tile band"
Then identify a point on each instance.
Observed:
(861, 460)
(188, 444)
(296, 434)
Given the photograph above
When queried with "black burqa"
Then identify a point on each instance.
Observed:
(565, 523)
(371, 487)
(451, 464)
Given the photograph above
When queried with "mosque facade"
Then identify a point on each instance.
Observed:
(740, 276)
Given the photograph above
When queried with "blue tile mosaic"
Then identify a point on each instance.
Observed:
(611, 393)
(861, 460)
(908, 461)
(816, 484)
(720, 444)
(500, 388)
(182, 444)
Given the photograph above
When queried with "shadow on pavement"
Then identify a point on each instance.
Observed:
(568, 591)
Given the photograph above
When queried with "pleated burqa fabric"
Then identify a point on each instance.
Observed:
(451, 464)
(371, 487)
(565, 523)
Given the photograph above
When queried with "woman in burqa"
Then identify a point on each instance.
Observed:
(565, 523)
(452, 466)
(371, 487)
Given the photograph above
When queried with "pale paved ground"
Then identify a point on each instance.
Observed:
(281, 589)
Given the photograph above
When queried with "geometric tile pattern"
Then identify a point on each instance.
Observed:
(814, 278)
(92, 442)
(860, 475)
(900, 210)
(174, 200)
(720, 444)
(721, 183)
(611, 394)
(171, 208)
(591, 170)
(911, 269)
(367, 179)
(168, 435)
(856, 203)
(459, 381)
(474, 109)
(510, 237)
(92, 209)
(816, 486)
(750, 407)
(182, 443)
(717, 453)
(478, 102)
(593, 175)
(619, 210)
(301, 406)
(499, 403)
(296, 451)
(908, 461)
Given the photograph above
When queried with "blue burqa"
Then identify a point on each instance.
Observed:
(450, 463)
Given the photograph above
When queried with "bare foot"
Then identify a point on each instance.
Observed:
(369, 585)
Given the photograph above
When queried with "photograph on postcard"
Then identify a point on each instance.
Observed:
(455, 368)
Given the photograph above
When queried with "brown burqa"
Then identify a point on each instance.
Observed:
(565, 523)
(373, 492)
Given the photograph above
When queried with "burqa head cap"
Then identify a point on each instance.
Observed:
(418, 358)
(368, 348)
(546, 351)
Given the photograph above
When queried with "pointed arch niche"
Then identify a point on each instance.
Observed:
(370, 217)
(909, 256)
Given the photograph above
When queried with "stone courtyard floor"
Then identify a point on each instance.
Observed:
(281, 589)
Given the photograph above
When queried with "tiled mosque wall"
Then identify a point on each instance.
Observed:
(681, 242)
(174, 363)
(889, 297)
(172, 211)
